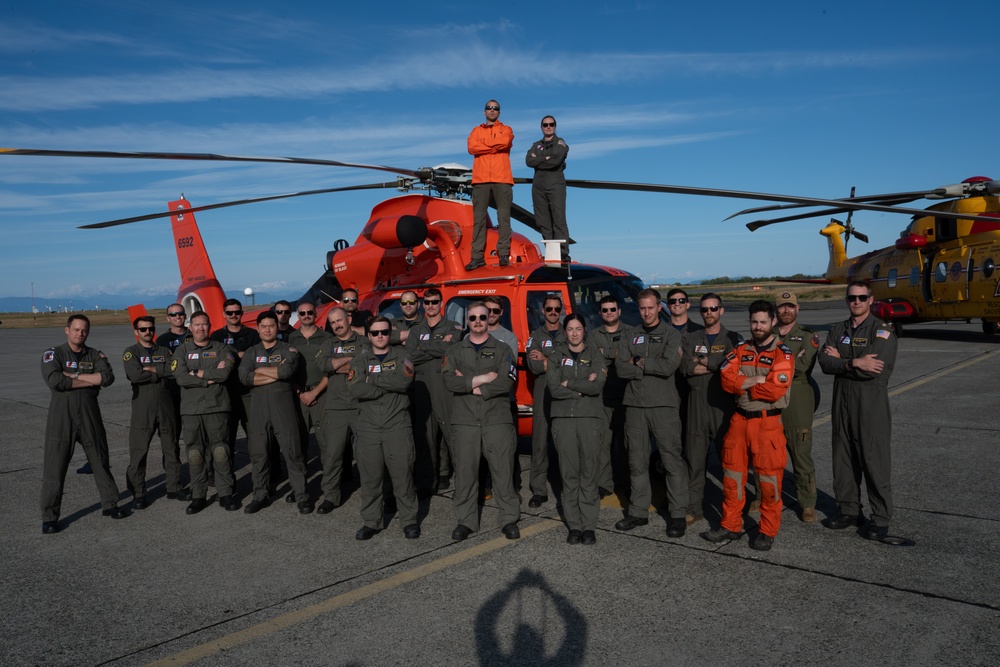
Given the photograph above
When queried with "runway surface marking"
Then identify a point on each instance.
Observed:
(336, 602)
(913, 384)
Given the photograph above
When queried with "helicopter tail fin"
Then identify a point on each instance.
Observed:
(200, 289)
(835, 240)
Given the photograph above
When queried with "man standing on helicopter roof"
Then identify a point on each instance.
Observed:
(490, 144)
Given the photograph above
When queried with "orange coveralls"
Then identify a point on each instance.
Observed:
(755, 428)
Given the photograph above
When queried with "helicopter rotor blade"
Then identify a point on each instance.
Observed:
(740, 194)
(208, 157)
(210, 207)
(859, 236)
(898, 198)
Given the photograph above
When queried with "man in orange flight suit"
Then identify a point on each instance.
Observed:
(490, 144)
(759, 372)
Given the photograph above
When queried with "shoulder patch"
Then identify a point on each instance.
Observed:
(173, 365)
(127, 356)
(885, 334)
(350, 375)
(815, 340)
(408, 368)
(48, 356)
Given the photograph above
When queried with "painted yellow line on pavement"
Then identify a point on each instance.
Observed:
(928, 378)
(307, 613)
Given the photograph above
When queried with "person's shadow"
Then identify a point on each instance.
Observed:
(520, 624)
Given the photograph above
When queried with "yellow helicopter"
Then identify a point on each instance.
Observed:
(942, 267)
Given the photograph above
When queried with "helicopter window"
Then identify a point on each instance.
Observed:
(890, 279)
(455, 309)
(875, 270)
(947, 229)
(988, 267)
(914, 276)
(941, 272)
(587, 294)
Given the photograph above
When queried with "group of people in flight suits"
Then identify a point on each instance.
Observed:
(419, 397)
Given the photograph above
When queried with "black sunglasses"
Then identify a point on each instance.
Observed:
(680, 300)
(553, 309)
(431, 302)
(145, 329)
(180, 314)
(548, 124)
(710, 309)
(478, 318)
(409, 302)
(232, 313)
(490, 107)
(613, 309)
(851, 298)
(304, 313)
(378, 332)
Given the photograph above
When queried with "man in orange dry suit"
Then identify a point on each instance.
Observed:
(490, 144)
(759, 372)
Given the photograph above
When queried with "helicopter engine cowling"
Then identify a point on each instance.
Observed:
(404, 231)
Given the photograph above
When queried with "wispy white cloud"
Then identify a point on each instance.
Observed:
(421, 71)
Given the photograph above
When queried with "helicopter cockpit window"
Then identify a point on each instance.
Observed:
(941, 272)
(947, 229)
(455, 309)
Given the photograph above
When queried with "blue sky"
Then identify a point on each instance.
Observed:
(805, 98)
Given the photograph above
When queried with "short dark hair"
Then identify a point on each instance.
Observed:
(549, 116)
(143, 318)
(650, 292)
(493, 299)
(433, 291)
(676, 290)
(348, 289)
(200, 313)
(710, 295)
(77, 316)
(282, 302)
(231, 302)
(552, 297)
(575, 317)
(609, 298)
(762, 306)
(375, 320)
(267, 315)
(859, 283)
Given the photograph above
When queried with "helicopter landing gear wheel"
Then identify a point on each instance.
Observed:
(990, 328)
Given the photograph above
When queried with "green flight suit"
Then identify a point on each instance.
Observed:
(341, 411)
(578, 428)
(708, 406)
(274, 416)
(385, 435)
(482, 426)
(74, 416)
(797, 418)
(310, 375)
(861, 417)
(153, 409)
(652, 404)
(546, 341)
(612, 396)
(205, 409)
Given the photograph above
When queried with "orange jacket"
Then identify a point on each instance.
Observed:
(775, 362)
(491, 144)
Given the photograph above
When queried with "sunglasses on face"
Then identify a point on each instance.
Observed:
(350, 299)
(180, 314)
(710, 309)
(378, 332)
(613, 309)
(281, 312)
(491, 107)
(548, 124)
(672, 302)
(851, 298)
(496, 311)
(431, 302)
(145, 329)
(233, 313)
(306, 313)
(477, 318)
(409, 302)
(553, 309)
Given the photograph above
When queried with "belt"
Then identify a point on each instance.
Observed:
(756, 414)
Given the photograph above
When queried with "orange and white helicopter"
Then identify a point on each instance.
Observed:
(417, 241)
(942, 267)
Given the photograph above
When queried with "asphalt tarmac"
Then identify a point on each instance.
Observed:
(278, 588)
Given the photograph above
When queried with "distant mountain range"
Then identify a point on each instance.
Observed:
(22, 304)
